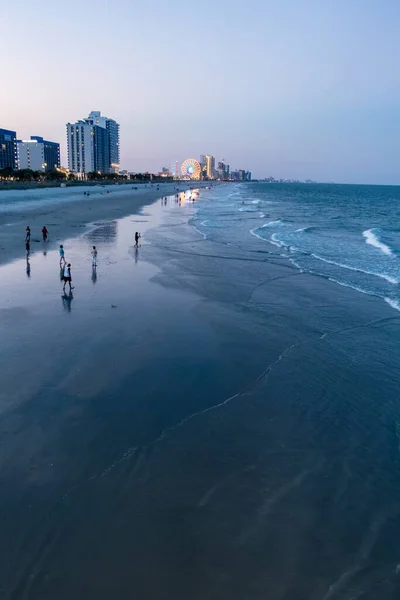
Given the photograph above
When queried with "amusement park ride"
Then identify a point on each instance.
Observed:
(191, 169)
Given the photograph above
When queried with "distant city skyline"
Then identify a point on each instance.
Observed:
(307, 89)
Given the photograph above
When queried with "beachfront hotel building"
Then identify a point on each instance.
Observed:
(30, 155)
(93, 145)
(8, 149)
(38, 154)
(51, 152)
(210, 166)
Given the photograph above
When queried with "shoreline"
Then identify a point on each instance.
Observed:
(69, 217)
(20, 186)
(195, 393)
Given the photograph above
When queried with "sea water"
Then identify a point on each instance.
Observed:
(349, 234)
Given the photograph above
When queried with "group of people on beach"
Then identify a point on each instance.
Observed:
(28, 238)
(65, 267)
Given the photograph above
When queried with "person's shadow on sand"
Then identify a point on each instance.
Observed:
(66, 300)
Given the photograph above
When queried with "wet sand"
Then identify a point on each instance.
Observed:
(70, 214)
(197, 421)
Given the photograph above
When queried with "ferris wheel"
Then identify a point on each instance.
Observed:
(191, 168)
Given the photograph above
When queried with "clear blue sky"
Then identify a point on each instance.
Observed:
(291, 88)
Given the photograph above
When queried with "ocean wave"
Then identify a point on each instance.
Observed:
(276, 242)
(388, 278)
(200, 232)
(393, 303)
(302, 229)
(254, 232)
(272, 223)
(371, 238)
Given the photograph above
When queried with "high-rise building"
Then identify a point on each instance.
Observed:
(80, 144)
(51, 153)
(30, 155)
(88, 148)
(93, 145)
(210, 166)
(8, 149)
(95, 118)
(223, 171)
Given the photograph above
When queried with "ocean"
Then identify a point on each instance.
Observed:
(215, 414)
(349, 234)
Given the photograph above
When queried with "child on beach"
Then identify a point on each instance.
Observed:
(94, 257)
(137, 238)
(62, 257)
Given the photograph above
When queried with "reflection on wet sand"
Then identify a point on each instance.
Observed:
(67, 300)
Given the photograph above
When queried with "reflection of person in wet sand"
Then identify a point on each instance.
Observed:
(28, 248)
(66, 300)
(94, 257)
(94, 274)
(28, 267)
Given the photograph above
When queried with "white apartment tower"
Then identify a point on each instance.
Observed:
(30, 155)
(93, 145)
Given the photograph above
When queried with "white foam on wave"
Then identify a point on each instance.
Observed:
(262, 216)
(393, 303)
(272, 223)
(388, 278)
(254, 232)
(372, 239)
(200, 232)
(276, 242)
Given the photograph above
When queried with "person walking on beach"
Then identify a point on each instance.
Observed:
(62, 256)
(67, 277)
(44, 233)
(137, 238)
(94, 257)
(28, 234)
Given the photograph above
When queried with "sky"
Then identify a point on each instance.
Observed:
(289, 88)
